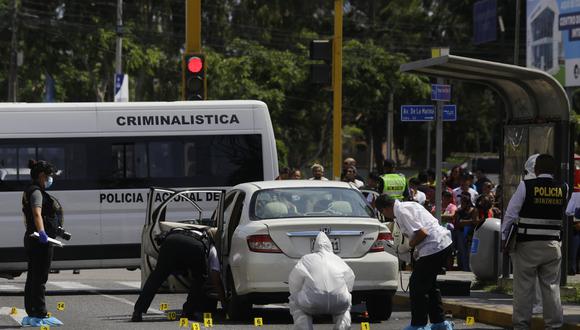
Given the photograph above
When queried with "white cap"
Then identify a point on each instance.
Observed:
(529, 167)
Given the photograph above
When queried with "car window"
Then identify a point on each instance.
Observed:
(307, 202)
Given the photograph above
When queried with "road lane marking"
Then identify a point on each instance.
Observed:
(20, 314)
(131, 284)
(9, 287)
(69, 285)
(129, 302)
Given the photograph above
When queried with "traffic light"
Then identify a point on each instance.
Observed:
(194, 77)
(320, 73)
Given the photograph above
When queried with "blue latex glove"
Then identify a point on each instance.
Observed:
(42, 237)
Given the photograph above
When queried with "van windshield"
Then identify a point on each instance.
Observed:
(309, 203)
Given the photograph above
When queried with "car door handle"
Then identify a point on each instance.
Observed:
(314, 233)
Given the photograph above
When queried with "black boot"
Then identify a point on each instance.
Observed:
(136, 317)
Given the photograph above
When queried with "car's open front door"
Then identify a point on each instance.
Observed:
(168, 209)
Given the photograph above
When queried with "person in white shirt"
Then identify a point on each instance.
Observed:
(317, 172)
(432, 244)
(466, 180)
(350, 176)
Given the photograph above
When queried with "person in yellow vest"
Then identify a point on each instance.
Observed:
(392, 183)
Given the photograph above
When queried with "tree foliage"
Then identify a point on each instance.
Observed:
(258, 49)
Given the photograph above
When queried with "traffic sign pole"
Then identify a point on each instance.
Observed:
(438, 155)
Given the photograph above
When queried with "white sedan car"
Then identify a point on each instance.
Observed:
(265, 227)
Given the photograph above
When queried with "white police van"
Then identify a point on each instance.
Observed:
(109, 154)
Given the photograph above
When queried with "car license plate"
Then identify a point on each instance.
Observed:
(335, 244)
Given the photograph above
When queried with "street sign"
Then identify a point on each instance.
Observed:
(417, 112)
(450, 112)
(121, 88)
(440, 92)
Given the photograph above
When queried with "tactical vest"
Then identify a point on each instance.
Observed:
(51, 211)
(394, 185)
(541, 215)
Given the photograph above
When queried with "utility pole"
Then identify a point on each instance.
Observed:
(517, 34)
(119, 48)
(13, 74)
(390, 125)
(337, 88)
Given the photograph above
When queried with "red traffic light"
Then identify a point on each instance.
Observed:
(194, 64)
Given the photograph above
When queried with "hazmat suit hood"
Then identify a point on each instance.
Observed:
(322, 244)
(529, 167)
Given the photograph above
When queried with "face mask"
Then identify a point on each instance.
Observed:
(48, 182)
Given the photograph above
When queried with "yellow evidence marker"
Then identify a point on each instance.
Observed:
(365, 326)
(470, 320)
(13, 311)
(48, 314)
(195, 326)
(45, 327)
(60, 306)
(207, 315)
(258, 322)
(208, 322)
(163, 306)
(183, 322)
(172, 316)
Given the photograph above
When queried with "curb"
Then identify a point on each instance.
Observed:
(482, 314)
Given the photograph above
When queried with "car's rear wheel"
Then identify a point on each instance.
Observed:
(239, 307)
(379, 307)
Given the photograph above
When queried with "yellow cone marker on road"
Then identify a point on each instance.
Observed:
(183, 322)
(258, 322)
(470, 320)
(48, 314)
(45, 327)
(60, 306)
(163, 306)
(365, 326)
(13, 311)
(195, 326)
(208, 322)
(172, 316)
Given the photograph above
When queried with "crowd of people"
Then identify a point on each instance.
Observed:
(468, 198)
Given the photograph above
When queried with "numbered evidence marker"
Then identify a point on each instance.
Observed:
(13, 311)
(172, 316)
(208, 322)
(365, 326)
(470, 320)
(195, 326)
(258, 322)
(60, 306)
(183, 322)
(163, 306)
(45, 327)
(48, 314)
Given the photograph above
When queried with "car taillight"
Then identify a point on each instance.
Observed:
(382, 240)
(263, 244)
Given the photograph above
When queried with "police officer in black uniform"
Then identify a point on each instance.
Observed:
(184, 250)
(41, 212)
(537, 210)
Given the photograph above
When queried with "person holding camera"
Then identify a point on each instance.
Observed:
(43, 215)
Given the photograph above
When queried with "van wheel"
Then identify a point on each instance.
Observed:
(379, 307)
(239, 307)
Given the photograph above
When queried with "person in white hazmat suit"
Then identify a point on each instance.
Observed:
(321, 283)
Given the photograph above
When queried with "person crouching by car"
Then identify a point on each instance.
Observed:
(432, 245)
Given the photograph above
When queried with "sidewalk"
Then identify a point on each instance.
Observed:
(490, 308)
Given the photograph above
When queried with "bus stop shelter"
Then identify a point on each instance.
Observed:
(536, 118)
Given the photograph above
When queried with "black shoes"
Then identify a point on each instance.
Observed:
(136, 317)
(195, 316)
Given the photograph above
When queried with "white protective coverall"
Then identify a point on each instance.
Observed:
(321, 283)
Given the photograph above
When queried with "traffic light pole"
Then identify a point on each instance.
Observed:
(337, 88)
(193, 26)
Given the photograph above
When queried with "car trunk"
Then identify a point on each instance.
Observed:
(351, 237)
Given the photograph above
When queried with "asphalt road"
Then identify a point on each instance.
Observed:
(103, 299)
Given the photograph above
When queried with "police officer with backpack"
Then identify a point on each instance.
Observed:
(43, 215)
(184, 250)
